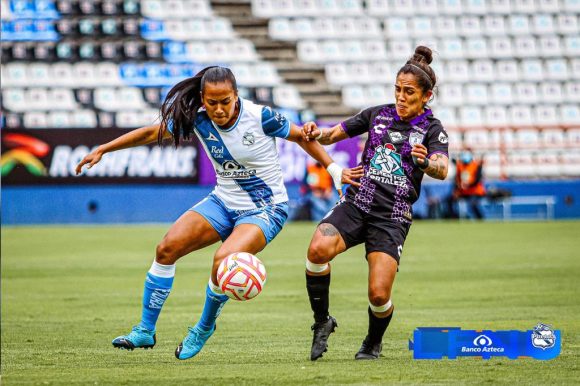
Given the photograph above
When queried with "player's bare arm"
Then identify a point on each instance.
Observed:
(325, 136)
(138, 137)
(436, 166)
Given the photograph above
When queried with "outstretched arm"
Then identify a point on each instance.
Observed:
(325, 136)
(137, 137)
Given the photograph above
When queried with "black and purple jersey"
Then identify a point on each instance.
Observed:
(392, 181)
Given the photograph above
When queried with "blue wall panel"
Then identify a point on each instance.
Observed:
(145, 203)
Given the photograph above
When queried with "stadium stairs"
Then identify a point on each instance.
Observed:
(324, 100)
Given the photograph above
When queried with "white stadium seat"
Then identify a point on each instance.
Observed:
(569, 163)
(446, 26)
(470, 25)
(532, 70)
(552, 137)
(287, 96)
(60, 119)
(546, 115)
(567, 24)
(471, 116)
(519, 25)
(501, 93)
(35, 120)
(556, 69)
(572, 91)
(526, 92)
(502, 7)
(507, 70)
(525, 47)
(551, 92)
(476, 48)
(520, 164)
(570, 114)
(494, 25)
(451, 7)
(520, 115)
(525, 6)
(550, 46)
(14, 74)
(476, 7)
(476, 94)
(378, 7)
(547, 163)
(496, 116)
(543, 24)
(482, 71)
(61, 99)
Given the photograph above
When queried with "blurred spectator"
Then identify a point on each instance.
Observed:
(468, 186)
(318, 191)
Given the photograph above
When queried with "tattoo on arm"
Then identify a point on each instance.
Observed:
(328, 134)
(437, 167)
(328, 230)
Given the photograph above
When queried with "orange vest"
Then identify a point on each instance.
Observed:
(465, 177)
(318, 178)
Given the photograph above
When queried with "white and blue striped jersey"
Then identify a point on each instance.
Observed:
(245, 157)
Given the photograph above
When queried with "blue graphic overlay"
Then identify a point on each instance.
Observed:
(541, 343)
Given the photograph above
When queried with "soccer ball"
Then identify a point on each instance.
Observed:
(241, 276)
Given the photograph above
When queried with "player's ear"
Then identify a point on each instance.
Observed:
(427, 96)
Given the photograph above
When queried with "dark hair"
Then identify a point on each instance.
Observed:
(418, 65)
(179, 109)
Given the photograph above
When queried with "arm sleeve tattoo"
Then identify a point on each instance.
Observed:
(437, 167)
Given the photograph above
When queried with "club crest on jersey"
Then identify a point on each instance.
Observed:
(443, 138)
(387, 160)
(396, 137)
(543, 336)
(416, 138)
(248, 138)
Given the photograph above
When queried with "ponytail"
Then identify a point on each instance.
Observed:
(179, 110)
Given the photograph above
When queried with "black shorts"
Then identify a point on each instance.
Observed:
(379, 234)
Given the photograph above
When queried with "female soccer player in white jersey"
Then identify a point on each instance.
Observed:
(247, 208)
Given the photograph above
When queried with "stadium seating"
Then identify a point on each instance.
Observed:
(508, 70)
(107, 63)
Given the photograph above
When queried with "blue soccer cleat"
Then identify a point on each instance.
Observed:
(137, 338)
(193, 342)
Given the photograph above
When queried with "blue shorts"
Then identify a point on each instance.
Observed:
(269, 218)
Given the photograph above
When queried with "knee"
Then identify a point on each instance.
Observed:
(379, 297)
(166, 253)
(318, 253)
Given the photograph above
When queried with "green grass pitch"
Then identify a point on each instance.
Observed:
(67, 291)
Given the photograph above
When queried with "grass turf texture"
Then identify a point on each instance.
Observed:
(67, 291)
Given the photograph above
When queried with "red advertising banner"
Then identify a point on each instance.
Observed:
(31, 157)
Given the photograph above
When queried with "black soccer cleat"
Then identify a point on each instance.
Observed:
(322, 331)
(369, 350)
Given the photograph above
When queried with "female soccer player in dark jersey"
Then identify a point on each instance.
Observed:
(405, 141)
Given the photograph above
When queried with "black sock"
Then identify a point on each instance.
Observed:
(378, 326)
(317, 287)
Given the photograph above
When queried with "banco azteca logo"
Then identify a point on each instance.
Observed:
(24, 150)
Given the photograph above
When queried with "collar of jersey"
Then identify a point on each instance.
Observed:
(415, 120)
(217, 127)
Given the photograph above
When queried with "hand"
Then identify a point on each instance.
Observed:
(310, 131)
(91, 159)
(349, 175)
(419, 153)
